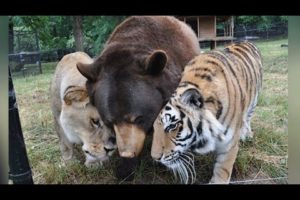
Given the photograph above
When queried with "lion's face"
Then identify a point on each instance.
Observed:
(82, 124)
(98, 142)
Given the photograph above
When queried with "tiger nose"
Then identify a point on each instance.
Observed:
(156, 157)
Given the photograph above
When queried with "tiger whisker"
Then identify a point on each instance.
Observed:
(184, 171)
(179, 171)
(190, 154)
(189, 158)
(190, 166)
(175, 175)
(192, 169)
(187, 166)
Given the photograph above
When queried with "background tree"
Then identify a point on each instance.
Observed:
(88, 34)
(78, 33)
(261, 22)
(97, 30)
(261, 25)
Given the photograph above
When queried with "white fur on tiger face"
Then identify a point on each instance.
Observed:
(200, 132)
(210, 110)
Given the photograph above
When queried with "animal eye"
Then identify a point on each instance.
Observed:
(95, 123)
(139, 120)
(172, 127)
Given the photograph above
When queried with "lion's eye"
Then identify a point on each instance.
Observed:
(95, 123)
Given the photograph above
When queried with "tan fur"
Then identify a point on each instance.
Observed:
(130, 139)
(229, 82)
(73, 112)
(76, 94)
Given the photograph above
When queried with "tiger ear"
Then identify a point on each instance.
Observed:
(75, 94)
(156, 62)
(90, 71)
(193, 98)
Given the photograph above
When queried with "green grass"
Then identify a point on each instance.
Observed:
(266, 153)
(263, 157)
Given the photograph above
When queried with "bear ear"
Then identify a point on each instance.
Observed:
(89, 71)
(193, 98)
(156, 62)
(75, 94)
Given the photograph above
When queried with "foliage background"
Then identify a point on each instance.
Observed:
(56, 32)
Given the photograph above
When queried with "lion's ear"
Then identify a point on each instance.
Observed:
(75, 94)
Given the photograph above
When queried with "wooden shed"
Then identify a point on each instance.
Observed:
(211, 28)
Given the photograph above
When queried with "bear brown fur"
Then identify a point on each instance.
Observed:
(136, 73)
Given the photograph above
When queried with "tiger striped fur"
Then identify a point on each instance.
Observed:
(210, 110)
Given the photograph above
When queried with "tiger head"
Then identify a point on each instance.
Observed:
(184, 125)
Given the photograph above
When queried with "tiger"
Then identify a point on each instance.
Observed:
(210, 111)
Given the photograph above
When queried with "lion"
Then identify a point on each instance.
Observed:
(76, 120)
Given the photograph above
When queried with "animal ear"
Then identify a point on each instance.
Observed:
(156, 62)
(193, 98)
(75, 94)
(89, 71)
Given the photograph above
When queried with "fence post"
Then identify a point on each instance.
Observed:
(245, 31)
(19, 169)
(38, 50)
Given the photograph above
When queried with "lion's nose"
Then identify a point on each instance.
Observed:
(112, 140)
(108, 150)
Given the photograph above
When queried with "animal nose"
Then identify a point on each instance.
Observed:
(107, 149)
(112, 140)
(127, 154)
(157, 157)
(87, 152)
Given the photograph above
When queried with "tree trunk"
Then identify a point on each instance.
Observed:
(78, 33)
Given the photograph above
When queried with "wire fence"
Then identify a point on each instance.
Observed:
(275, 30)
(24, 47)
(25, 55)
(242, 32)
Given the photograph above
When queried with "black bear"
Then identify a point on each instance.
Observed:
(136, 73)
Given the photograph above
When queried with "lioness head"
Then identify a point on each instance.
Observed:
(82, 124)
